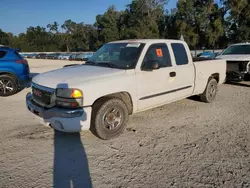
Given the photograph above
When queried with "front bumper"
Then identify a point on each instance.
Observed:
(66, 120)
(235, 76)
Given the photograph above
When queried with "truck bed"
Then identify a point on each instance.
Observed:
(206, 69)
(197, 59)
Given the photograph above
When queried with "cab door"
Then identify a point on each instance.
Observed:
(155, 87)
(185, 71)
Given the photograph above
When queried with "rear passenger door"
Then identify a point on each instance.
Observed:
(185, 72)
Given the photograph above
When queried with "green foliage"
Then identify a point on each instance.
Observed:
(203, 23)
(4, 38)
(239, 19)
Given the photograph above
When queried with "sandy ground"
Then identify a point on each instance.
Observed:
(183, 144)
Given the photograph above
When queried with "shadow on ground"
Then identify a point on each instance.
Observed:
(70, 162)
(195, 98)
(242, 84)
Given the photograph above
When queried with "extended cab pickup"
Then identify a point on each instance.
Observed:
(122, 78)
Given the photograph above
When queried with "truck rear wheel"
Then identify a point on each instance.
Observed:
(110, 118)
(210, 92)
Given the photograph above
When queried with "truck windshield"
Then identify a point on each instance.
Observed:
(237, 49)
(117, 55)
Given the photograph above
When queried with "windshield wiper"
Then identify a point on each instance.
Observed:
(107, 64)
(101, 64)
(89, 63)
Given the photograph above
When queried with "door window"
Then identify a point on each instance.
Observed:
(180, 54)
(160, 53)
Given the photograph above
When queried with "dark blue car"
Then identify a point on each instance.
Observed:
(14, 71)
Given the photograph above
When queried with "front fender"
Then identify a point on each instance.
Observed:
(100, 89)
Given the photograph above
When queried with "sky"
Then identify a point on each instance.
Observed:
(17, 15)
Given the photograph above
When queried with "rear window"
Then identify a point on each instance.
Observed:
(2, 53)
(180, 53)
(237, 49)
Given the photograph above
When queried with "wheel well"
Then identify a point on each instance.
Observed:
(9, 74)
(124, 96)
(216, 76)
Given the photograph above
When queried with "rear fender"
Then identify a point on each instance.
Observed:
(9, 72)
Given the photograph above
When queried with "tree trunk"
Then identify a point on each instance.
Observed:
(67, 48)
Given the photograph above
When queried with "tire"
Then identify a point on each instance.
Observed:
(8, 85)
(105, 123)
(210, 92)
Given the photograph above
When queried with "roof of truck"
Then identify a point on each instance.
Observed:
(146, 41)
(245, 43)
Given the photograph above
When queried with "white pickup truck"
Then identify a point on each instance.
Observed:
(121, 78)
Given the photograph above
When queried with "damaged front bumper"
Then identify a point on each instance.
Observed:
(237, 71)
(65, 120)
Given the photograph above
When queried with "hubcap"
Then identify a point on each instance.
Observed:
(212, 91)
(112, 119)
(6, 86)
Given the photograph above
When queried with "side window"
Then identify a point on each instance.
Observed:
(160, 53)
(2, 54)
(180, 53)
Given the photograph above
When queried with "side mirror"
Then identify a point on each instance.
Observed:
(151, 65)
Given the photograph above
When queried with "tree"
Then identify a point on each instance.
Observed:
(68, 28)
(38, 38)
(203, 23)
(186, 22)
(215, 28)
(141, 18)
(239, 20)
(108, 25)
(53, 27)
(4, 38)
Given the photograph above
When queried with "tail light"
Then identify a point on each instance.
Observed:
(22, 61)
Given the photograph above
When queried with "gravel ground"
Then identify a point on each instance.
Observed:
(183, 144)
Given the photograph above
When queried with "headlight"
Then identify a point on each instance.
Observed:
(69, 93)
(69, 98)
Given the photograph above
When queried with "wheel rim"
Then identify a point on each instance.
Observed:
(112, 119)
(6, 86)
(212, 91)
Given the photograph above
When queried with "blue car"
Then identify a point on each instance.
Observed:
(14, 71)
(207, 54)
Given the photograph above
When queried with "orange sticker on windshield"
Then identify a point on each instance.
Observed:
(159, 52)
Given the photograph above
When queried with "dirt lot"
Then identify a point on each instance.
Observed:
(184, 144)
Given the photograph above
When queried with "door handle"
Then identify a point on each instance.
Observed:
(172, 74)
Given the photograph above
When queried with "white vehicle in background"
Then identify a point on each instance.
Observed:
(122, 78)
(237, 57)
(65, 56)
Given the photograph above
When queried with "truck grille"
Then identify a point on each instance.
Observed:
(42, 95)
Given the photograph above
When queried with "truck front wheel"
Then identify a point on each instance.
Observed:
(210, 92)
(110, 118)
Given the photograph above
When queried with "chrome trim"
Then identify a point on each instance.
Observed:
(51, 90)
(52, 112)
(46, 89)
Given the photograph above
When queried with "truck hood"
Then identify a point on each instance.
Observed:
(75, 75)
(234, 57)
